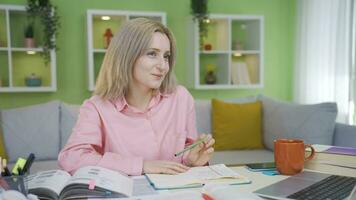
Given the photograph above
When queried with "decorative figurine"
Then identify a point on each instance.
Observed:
(107, 35)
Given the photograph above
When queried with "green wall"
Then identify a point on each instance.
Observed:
(72, 85)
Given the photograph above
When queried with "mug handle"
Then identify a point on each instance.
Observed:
(312, 154)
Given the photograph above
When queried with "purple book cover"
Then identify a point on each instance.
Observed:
(341, 150)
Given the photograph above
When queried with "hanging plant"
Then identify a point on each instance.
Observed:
(199, 9)
(50, 21)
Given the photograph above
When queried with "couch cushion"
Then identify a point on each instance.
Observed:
(312, 123)
(236, 125)
(203, 112)
(68, 118)
(32, 129)
(242, 157)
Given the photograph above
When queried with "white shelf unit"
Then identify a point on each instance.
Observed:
(16, 61)
(95, 31)
(233, 45)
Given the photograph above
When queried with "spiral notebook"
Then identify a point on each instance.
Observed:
(197, 177)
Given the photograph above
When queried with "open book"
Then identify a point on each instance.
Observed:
(87, 182)
(197, 177)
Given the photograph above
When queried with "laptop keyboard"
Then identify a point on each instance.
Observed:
(332, 188)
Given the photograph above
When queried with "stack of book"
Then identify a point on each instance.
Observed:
(333, 159)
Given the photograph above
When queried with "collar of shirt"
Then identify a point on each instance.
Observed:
(121, 104)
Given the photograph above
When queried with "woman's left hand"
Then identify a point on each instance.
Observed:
(201, 154)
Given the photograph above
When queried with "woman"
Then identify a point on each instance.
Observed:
(138, 118)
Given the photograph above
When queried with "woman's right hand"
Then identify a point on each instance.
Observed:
(163, 167)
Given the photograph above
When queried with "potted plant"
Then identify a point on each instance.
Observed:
(29, 34)
(49, 18)
(199, 9)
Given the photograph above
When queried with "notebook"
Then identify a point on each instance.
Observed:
(197, 177)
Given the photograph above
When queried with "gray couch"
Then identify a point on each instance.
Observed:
(44, 129)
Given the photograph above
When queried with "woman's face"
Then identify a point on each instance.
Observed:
(151, 68)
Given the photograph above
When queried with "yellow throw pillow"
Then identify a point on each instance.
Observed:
(2, 146)
(237, 126)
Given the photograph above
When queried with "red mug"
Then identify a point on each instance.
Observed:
(289, 155)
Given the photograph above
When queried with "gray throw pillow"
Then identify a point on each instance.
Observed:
(31, 129)
(69, 117)
(313, 123)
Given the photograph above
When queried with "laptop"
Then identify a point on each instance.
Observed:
(311, 185)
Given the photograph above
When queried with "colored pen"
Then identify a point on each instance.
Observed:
(196, 143)
(28, 163)
(6, 170)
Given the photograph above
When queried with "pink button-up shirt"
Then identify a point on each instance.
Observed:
(118, 136)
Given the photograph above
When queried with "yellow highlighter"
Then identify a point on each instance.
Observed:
(20, 163)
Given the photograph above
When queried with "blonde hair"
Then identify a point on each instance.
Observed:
(133, 38)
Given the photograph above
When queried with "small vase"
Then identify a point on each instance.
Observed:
(210, 77)
(29, 43)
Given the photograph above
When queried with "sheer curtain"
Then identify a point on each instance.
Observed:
(323, 54)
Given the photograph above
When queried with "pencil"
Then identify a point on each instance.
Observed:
(196, 143)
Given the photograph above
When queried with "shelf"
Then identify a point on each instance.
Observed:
(227, 86)
(220, 64)
(214, 52)
(245, 34)
(217, 34)
(245, 69)
(155, 18)
(18, 22)
(231, 53)
(18, 62)
(4, 70)
(24, 65)
(98, 60)
(100, 26)
(99, 50)
(3, 31)
(27, 49)
(245, 52)
(27, 89)
(97, 27)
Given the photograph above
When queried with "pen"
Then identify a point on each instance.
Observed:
(6, 170)
(196, 143)
(28, 163)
